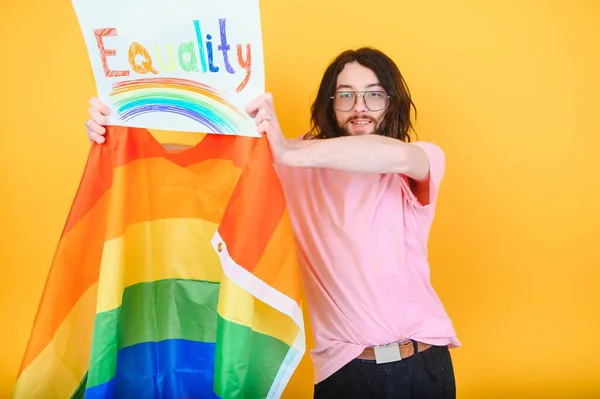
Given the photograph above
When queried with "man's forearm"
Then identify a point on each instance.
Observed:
(367, 154)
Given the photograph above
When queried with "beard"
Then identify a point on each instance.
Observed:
(347, 123)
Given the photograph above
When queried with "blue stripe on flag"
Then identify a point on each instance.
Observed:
(170, 369)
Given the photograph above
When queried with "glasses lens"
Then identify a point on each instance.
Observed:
(344, 101)
(375, 100)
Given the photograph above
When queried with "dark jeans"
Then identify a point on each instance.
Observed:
(427, 375)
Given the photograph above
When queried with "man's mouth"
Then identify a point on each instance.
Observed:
(360, 122)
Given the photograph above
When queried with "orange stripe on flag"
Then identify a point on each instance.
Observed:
(200, 194)
(248, 233)
(97, 178)
(71, 275)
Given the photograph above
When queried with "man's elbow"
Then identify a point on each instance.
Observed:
(414, 163)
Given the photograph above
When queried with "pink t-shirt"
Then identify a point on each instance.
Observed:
(362, 242)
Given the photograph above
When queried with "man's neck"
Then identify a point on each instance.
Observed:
(175, 146)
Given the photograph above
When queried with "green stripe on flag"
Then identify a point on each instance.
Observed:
(246, 361)
(151, 312)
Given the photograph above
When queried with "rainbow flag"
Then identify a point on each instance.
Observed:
(175, 277)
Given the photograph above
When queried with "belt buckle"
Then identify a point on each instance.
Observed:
(387, 353)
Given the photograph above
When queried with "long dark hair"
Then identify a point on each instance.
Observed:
(396, 122)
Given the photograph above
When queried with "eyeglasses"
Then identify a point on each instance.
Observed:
(374, 100)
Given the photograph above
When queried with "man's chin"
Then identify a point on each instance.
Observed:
(359, 132)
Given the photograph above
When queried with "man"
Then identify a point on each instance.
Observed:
(361, 198)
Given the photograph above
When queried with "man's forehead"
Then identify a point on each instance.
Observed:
(357, 77)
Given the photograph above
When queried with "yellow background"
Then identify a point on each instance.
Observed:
(508, 88)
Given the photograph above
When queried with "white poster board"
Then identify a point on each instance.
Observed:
(182, 65)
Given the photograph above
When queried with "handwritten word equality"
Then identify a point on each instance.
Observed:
(188, 55)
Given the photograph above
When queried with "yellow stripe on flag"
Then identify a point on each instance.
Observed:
(157, 250)
(59, 368)
(239, 306)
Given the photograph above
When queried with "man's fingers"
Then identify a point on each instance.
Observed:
(95, 137)
(264, 127)
(94, 127)
(264, 101)
(254, 106)
(99, 105)
(267, 128)
(262, 116)
(268, 98)
(97, 116)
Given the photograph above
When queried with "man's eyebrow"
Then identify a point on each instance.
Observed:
(352, 87)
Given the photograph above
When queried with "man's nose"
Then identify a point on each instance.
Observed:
(360, 105)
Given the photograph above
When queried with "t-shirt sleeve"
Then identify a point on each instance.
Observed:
(437, 168)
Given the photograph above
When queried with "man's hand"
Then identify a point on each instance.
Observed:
(263, 112)
(95, 129)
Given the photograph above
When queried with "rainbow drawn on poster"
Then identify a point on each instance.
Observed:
(191, 99)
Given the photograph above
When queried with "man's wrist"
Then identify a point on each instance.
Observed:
(291, 154)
